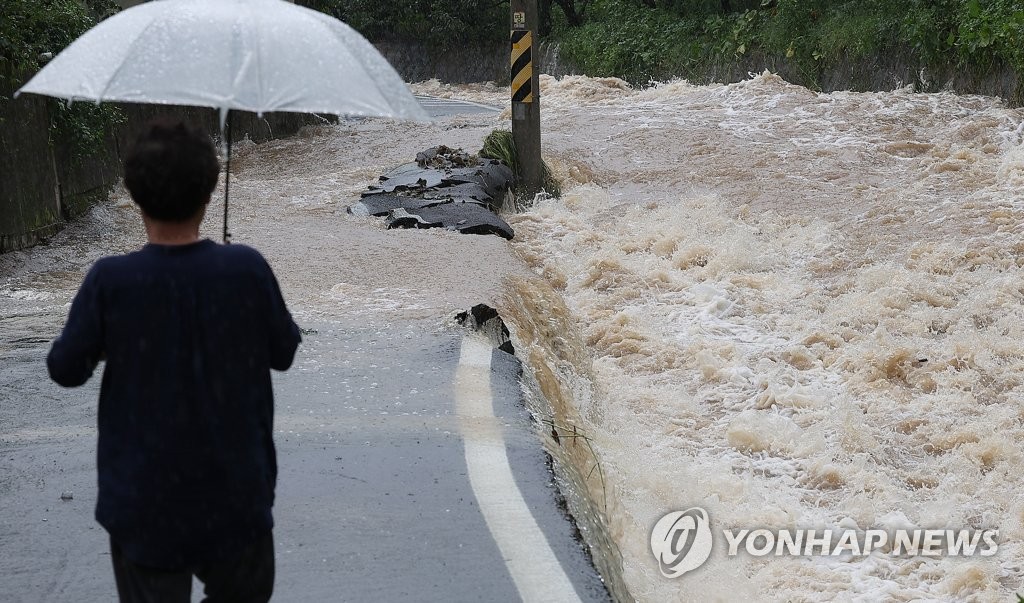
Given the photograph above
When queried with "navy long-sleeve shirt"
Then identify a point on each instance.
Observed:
(186, 459)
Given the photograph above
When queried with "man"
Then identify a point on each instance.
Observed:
(190, 330)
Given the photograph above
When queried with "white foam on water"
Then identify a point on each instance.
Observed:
(25, 294)
(803, 310)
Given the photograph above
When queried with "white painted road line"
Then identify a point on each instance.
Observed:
(534, 568)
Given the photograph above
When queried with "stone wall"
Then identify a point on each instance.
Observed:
(29, 198)
(894, 68)
(417, 63)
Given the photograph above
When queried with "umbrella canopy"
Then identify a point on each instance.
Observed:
(250, 55)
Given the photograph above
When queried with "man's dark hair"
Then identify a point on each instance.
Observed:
(171, 170)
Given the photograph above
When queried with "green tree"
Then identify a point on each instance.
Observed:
(574, 10)
(443, 25)
(33, 30)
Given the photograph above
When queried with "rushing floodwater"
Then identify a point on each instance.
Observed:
(790, 308)
(802, 310)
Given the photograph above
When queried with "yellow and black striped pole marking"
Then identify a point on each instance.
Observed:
(522, 66)
(526, 96)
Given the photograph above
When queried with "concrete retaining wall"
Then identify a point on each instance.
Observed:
(896, 67)
(461, 65)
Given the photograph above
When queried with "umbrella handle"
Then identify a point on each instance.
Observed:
(226, 135)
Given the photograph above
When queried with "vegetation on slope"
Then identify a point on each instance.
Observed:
(33, 30)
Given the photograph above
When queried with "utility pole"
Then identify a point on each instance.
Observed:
(526, 95)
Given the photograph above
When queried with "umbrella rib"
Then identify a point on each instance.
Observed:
(124, 62)
(259, 73)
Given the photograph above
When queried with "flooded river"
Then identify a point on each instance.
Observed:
(791, 309)
(799, 310)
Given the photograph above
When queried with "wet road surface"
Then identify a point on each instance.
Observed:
(376, 502)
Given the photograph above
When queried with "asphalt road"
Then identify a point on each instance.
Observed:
(375, 500)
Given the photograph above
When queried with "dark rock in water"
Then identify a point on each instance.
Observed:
(445, 188)
(375, 205)
(481, 313)
(400, 218)
(440, 202)
(484, 318)
(495, 178)
(424, 158)
(466, 190)
(443, 157)
(403, 170)
(498, 171)
(468, 218)
(384, 203)
(494, 226)
(409, 177)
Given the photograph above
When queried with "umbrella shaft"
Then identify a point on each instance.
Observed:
(227, 177)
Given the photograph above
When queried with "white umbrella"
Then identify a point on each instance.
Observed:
(249, 55)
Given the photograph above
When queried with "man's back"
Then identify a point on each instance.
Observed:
(186, 458)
